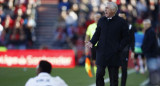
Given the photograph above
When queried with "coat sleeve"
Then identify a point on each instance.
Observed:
(97, 33)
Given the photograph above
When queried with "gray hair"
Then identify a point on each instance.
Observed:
(147, 21)
(97, 14)
(114, 6)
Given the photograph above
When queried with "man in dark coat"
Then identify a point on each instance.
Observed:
(112, 36)
(125, 52)
(150, 50)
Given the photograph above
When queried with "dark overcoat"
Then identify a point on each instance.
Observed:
(112, 36)
(150, 44)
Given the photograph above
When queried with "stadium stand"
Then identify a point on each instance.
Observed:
(17, 23)
(61, 24)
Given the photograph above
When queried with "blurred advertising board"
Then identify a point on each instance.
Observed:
(31, 58)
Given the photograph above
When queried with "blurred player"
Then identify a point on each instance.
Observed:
(138, 54)
(44, 78)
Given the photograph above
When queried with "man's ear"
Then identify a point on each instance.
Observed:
(38, 70)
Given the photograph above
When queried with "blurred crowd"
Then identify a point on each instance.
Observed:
(17, 23)
(76, 15)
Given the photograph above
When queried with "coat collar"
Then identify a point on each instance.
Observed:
(111, 18)
(44, 74)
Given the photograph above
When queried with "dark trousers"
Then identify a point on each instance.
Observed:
(124, 72)
(124, 66)
(113, 75)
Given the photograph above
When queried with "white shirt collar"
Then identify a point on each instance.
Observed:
(44, 74)
(109, 18)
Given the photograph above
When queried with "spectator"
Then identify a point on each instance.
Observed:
(71, 18)
(44, 47)
(90, 19)
(32, 2)
(81, 29)
(2, 14)
(20, 6)
(20, 20)
(44, 78)
(141, 7)
(29, 31)
(19, 13)
(8, 22)
(71, 33)
(18, 37)
(1, 1)
(9, 7)
(31, 22)
(60, 36)
(85, 6)
(64, 5)
(10, 4)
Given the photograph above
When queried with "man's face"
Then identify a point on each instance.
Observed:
(96, 18)
(108, 11)
(37, 70)
(122, 15)
(146, 25)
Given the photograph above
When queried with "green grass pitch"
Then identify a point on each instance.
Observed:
(73, 77)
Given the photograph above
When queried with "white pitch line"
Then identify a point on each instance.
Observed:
(120, 75)
(144, 83)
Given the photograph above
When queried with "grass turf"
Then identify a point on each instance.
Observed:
(73, 77)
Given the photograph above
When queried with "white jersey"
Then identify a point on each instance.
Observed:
(45, 79)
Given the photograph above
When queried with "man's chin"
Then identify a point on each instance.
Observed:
(106, 15)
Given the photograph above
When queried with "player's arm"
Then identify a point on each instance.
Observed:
(87, 38)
